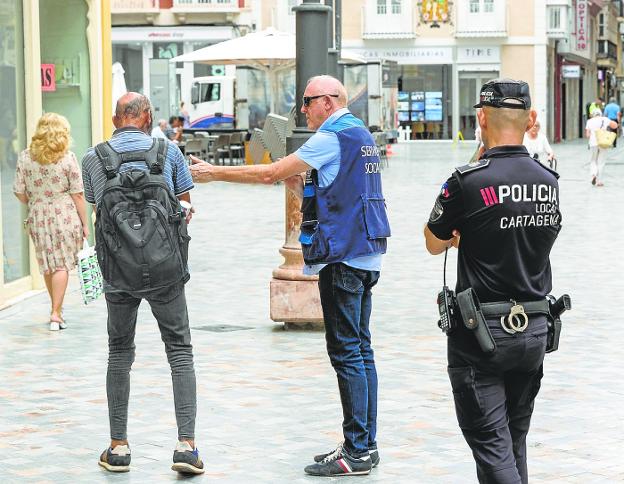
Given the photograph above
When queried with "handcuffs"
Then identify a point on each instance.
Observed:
(516, 321)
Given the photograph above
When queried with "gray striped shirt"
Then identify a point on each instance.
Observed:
(175, 171)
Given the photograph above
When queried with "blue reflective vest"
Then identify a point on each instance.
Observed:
(346, 219)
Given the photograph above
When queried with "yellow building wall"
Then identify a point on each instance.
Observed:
(268, 9)
(517, 62)
(352, 18)
(520, 17)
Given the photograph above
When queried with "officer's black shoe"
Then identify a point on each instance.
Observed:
(374, 455)
(341, 463)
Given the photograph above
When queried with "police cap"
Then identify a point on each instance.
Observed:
(505, 93)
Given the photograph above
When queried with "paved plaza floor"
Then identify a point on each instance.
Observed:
(268, 398)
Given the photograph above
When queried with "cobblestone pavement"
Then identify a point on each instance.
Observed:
(268, 398)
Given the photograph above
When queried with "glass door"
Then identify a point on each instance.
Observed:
(469, 88)
(15, 249)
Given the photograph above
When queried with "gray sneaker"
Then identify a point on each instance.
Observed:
(186, 460)
(117, 459)
(374, 455)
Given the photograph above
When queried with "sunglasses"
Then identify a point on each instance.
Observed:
(308, 99)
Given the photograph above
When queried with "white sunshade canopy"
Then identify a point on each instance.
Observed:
(267, 49)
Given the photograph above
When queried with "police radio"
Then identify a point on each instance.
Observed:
(446, 305)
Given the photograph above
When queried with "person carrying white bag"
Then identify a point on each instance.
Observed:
(89, 273)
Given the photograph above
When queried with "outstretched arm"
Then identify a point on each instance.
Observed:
(288, 166)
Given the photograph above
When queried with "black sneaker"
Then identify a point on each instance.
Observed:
(186, 460)
(373, 452)
(117, 459)
(340, 463)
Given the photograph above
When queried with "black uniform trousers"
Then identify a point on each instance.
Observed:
(494, 396)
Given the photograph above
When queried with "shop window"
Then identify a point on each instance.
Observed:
(14, 242)
(424, 102)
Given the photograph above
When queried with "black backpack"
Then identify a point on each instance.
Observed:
(140, 230)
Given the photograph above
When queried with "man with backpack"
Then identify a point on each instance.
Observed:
(136, 184)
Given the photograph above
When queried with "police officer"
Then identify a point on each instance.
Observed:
(502, 213)
(343, 237)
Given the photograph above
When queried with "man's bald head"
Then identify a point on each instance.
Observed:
(326, 96)
(328, 85)
(133, 109)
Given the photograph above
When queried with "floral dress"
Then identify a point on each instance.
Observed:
(53, 220)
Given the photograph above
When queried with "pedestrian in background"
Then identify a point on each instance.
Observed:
(537, 144)
(184, 114)
(160, 129)
(174, 131)
(342, 202)
(597, 155)
(614, 113)
(48, 180)
(504, 244)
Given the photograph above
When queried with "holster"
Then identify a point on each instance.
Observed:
(470, 310)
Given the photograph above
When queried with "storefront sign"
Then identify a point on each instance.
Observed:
(582, 26)
(409, 55)
(571, 71)
(48, 77)
(478, 55)
(168, 34)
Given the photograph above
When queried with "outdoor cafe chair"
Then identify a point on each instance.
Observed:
(193, 147)
(237, 147)
(220, 149)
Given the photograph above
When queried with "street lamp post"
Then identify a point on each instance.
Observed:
(294, 296)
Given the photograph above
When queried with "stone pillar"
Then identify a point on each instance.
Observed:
(295, 297)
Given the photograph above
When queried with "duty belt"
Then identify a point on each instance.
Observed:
(514, 317)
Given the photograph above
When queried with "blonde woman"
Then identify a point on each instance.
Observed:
(48, 180)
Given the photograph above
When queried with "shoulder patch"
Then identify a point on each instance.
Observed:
(473, 165)
(547, 168)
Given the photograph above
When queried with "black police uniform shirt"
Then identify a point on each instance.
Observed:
(506, 209)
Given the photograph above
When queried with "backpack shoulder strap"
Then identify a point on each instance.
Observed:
(109, 159)
(156, 156)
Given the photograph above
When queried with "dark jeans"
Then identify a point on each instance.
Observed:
(494, 397)
(347, 302)
(614, 130)
(169, 308)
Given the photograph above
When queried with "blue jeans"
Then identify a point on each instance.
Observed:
(347, 302)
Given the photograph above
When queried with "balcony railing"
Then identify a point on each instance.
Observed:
(207, 5)
(134, 6)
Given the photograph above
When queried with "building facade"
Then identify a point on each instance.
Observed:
(146, 34)
(445, 50)
(51, 59)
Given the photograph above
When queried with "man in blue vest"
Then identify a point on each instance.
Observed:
(343, 237)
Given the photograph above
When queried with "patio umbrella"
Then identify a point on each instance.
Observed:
(269, 50)
(119, 83)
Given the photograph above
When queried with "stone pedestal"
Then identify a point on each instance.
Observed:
(294, 296)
